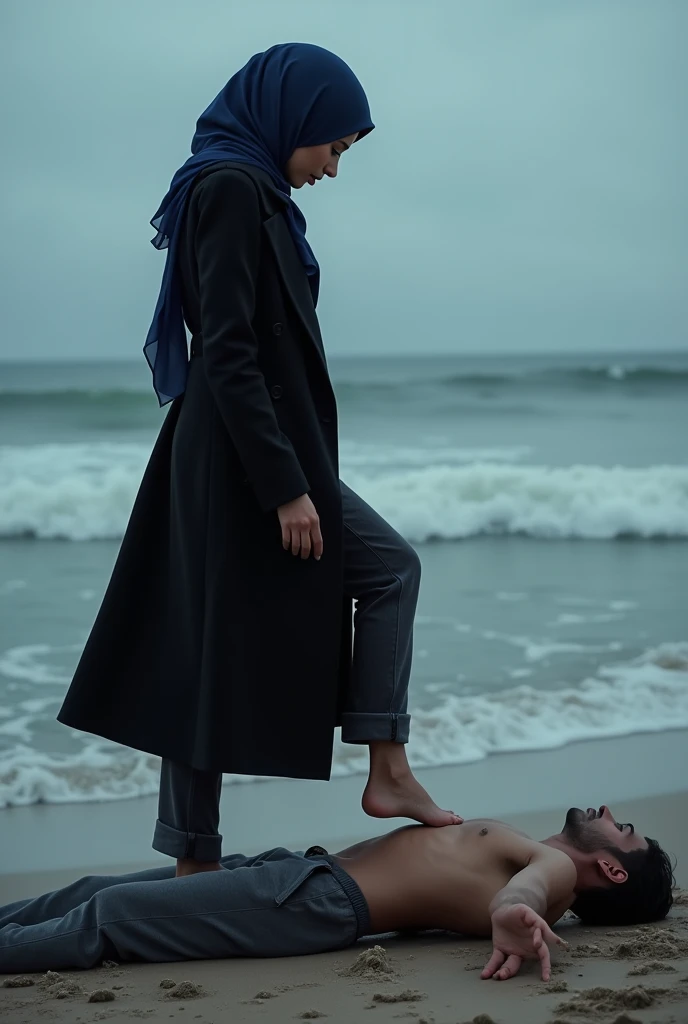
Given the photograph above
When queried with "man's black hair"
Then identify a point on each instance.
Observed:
(644, 896)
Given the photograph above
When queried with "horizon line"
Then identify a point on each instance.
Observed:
(496, 353)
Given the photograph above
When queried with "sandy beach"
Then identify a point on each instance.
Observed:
(614, 976)
(620, 976)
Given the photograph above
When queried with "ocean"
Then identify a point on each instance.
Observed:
(547, 497)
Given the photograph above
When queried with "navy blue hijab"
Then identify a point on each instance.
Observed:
(294, 94)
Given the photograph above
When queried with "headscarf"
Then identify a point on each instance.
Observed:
(292, 95)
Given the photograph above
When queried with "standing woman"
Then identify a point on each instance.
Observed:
(224, 643)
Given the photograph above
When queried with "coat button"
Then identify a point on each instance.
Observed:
(276, 390)
(277, 328)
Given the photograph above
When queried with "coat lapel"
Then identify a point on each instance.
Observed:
(290, 266)
(295, 279)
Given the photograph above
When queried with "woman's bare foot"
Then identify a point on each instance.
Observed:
(187, 866)
(394, 792)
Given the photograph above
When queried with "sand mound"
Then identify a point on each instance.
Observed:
(295, 985)
(595, 1001)
(22, 982)
(554, 986)
(371, 963)
(653, 946)
(186, 990)
(623, 1018)
(101, 995)
(586, 949)
(650, 967)
(409, 995)
(57, 987)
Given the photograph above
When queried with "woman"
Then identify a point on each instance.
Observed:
(223, 643)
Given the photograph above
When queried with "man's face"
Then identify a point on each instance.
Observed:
(591, 830)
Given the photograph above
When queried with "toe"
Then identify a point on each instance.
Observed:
(441, 818)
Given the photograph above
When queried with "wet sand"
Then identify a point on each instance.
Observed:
(608, 975)
(296, 814)
(434, 978)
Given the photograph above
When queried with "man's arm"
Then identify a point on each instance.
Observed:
(546, 882)
(520, 912)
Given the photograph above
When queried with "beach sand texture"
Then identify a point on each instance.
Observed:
(608, 975)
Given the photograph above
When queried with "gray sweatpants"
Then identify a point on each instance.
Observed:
(276, 904)
(382, 574)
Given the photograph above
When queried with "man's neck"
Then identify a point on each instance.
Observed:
(559, 843)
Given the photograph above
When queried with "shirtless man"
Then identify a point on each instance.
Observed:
(480, 878)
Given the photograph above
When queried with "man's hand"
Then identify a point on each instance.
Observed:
(519, 934)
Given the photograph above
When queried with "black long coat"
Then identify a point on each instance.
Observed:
(214, 646)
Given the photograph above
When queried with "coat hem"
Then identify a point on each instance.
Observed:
(162, 750)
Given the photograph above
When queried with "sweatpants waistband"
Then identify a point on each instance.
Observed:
(356, 897)
(350, 887)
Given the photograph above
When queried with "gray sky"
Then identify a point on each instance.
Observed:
(524, 190)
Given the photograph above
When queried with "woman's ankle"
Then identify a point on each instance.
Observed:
(188, 866)
(388, 760)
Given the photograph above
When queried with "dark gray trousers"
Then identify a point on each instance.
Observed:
(382, 575)
(276, 904)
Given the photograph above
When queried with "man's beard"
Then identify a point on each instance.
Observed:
(583, 834)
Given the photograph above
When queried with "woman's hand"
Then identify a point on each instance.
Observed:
(519, 934)
(301, 528)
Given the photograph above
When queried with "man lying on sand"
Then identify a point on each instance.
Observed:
(480, 878)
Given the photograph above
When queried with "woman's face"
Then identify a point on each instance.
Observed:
(311, 163)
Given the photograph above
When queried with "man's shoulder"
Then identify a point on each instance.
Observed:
(517, 845)
(503, 826)
(497, 831)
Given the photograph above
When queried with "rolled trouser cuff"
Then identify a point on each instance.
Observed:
(186, 845)
(367, 727)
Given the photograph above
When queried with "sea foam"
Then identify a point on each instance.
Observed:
(83, 492)
(646, 694)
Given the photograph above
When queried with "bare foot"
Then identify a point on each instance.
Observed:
(400, 795)
(188, 866)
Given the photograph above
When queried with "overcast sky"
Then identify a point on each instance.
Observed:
(524, 190)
